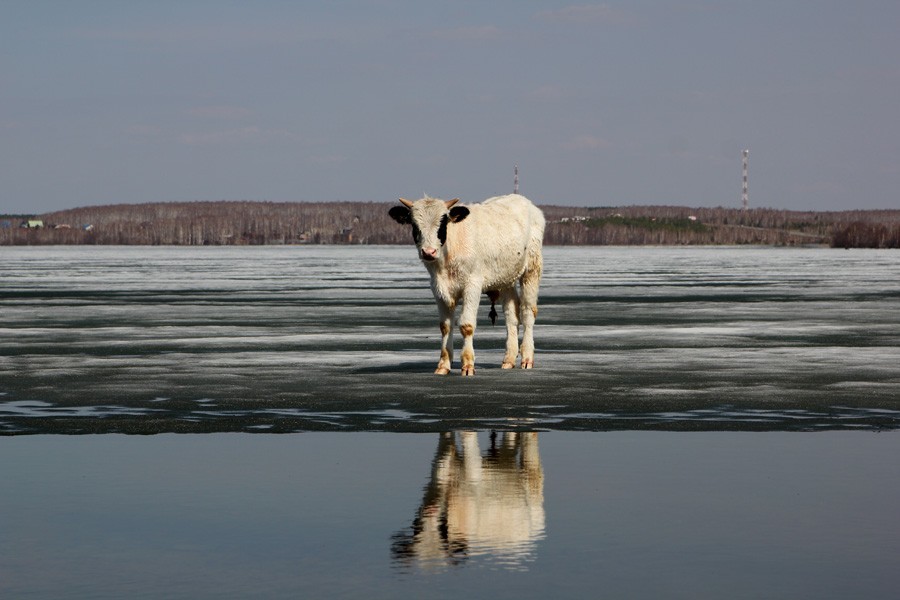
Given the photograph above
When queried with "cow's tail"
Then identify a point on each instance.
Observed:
(534, 263)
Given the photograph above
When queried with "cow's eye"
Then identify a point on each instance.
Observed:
(417, 234)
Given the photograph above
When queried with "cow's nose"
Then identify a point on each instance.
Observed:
(429, 253)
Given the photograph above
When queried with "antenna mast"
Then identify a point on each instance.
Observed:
(745, 189)
(516, 181)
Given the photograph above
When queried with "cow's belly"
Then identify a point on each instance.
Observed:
(499, 282)
(496, 271)
(449, 288)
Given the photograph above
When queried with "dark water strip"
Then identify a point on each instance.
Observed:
(208, 416)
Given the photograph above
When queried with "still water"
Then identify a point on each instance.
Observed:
(702, 423)
(378, 515)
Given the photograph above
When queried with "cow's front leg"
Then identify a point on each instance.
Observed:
(467, 328)
(446, 324)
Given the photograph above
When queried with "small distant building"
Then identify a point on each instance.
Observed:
(87, 227)
(692, 218)
(33, 224)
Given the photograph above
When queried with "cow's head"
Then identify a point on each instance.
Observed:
(429, 218)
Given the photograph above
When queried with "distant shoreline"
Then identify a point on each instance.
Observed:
(367, 223)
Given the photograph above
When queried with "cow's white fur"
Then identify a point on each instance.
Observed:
(495, 247)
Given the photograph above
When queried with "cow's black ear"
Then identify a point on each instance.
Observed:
(400, 214)
(458, 213)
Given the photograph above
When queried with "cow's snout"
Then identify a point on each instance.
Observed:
(429, 253)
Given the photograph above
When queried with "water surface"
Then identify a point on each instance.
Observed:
(732, 356)
(375, 515)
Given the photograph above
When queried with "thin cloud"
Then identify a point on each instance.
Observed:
(328, 159)
(586, 13)
(221, 112)
(473, 33)
(144, 130)
(587, 142)
(241, 135)
(223, 35)
(163, 35)
(547, 93)
(820, 187)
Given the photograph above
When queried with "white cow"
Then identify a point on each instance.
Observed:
(493, 247)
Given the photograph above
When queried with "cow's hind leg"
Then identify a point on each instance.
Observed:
(530, 282)
(446, 323)
(510, 299)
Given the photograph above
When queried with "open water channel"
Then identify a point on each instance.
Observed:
(702, 423)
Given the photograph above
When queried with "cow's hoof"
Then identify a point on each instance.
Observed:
(442, 371)
(528, 363)
(507, 365)
(468, 371)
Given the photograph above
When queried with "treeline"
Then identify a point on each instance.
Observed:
(861, 234)
(215, 223)
(257, 223)
(678, 225)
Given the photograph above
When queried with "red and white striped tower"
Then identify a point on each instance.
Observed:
(745, 190)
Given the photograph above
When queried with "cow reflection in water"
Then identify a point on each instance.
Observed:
(474, 505)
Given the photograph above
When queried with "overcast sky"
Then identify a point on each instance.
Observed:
(600, 104)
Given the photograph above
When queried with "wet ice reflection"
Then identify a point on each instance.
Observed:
(150, 340)
(478, 506)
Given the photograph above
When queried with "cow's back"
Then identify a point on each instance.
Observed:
(497, 238)
(518, 213)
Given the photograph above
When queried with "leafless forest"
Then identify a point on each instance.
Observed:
(228, 223)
